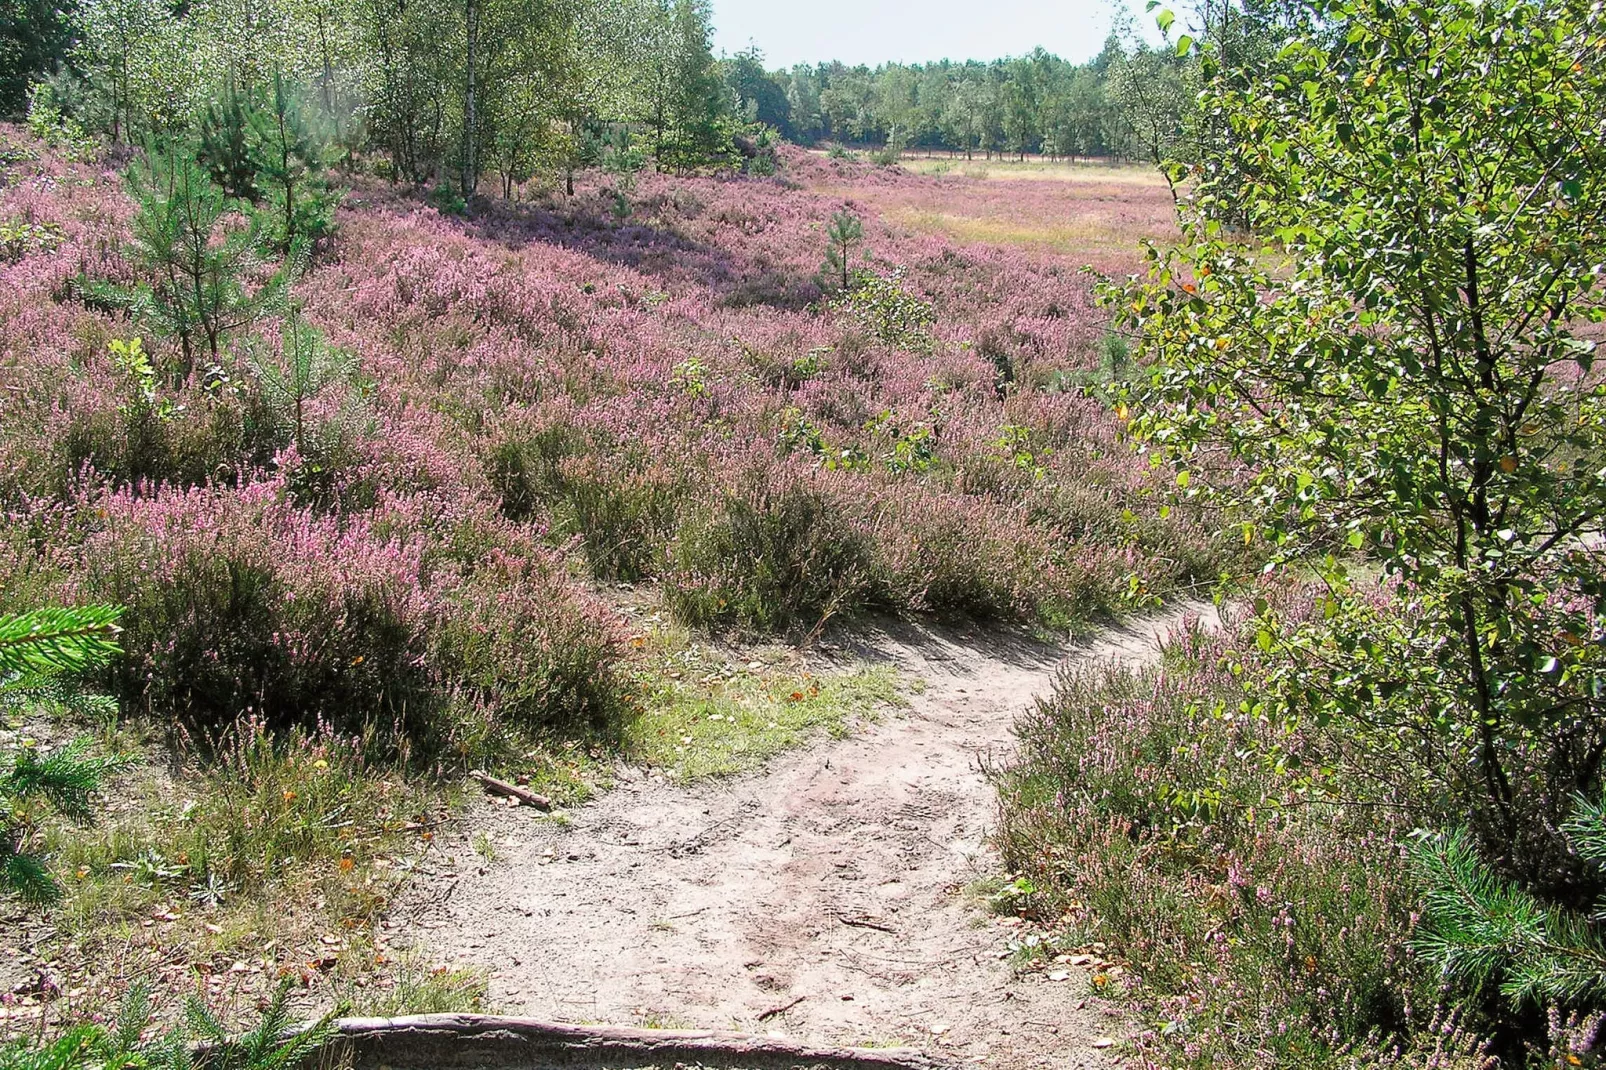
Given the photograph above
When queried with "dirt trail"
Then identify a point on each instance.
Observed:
(833, 876)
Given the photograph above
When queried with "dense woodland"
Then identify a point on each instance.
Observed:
(356, 355)
(481, 90)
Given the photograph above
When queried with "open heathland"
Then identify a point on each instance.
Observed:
(559, 433)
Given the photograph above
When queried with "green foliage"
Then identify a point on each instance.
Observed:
(1401, 363)
(1480, 929)
(842, 234)
(768, 559)
(20, 239)
(882, 307)
(305, 367)
(37, 650)
(287, 153)
(48, 123)
(447, 200)
(194, 252)
(34, 37)
(50, 641)
(202, 1041)
(692, 122)
(225, 148)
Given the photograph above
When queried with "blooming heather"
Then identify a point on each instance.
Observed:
(550, 394)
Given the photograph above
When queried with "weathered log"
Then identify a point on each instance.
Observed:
(488, 1042)
(511, 791)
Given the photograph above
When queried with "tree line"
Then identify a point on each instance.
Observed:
(1132, 101)
(1038, 103)
(444, 90)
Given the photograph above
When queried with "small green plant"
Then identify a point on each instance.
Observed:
(1015, 444)
(447, 200)
(130, 359)
(37, 651)
(225, 148)
(193, 259)
(288, 154)
(48, 122)
(883, 307)
(907, 448)
(763, 163)
(625, 161)
(304, 369)
(843, 234)
(201, 1041)
(19, 239)
(691, 376)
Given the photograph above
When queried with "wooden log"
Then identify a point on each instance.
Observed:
(511, 791)
(490, 1042)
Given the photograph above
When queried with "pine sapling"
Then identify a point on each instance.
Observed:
(289, 157)
(842, 235)
(305, 368)
(225, 143)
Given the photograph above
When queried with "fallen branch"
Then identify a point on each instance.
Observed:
(511, 791)
(782, 1009)
(866, 923)
(485, 1042)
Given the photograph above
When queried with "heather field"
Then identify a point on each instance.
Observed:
(555, 394)
(593, 467)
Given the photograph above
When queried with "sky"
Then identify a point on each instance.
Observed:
(911, 31)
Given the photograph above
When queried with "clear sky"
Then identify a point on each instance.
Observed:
(912, 31)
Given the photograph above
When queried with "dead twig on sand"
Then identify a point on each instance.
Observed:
(765, 1016)
(511, 791)
(866, 923)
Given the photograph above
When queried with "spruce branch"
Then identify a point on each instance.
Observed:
(53, 640)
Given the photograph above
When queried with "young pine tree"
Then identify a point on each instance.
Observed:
(842, 234)
(288, 155)
(225, 144)
(306, 367)
(194, 265)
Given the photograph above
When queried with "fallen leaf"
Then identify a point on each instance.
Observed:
(1104, 1042)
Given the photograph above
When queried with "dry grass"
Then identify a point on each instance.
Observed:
(1098, 172)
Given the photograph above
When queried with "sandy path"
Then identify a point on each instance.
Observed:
(710, 904)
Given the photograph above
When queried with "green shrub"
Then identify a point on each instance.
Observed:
(882, 307)
(1261, 925)
(624, 508)
(768, 558)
